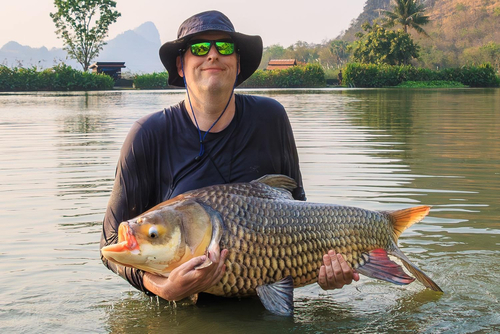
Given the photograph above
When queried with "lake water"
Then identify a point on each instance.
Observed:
(377, 149)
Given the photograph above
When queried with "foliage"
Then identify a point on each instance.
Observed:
(371, 75)
(382, 46)
(151, 81)
(332, 55)
(274, 51)
(431, 84)
(460, 31)
(307, 76)
(409, 14)
(371, 14)
(339, 49)
(83, 25)
(60, 77)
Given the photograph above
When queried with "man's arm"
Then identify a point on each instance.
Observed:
(129, 197)
(133, 193)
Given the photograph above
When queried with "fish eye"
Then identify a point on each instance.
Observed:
(153, 232)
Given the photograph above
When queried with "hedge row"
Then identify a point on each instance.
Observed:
(58, 78)
(151, 81)
(307, 76)
(371, 75)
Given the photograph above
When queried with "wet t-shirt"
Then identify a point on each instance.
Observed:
(161, 159)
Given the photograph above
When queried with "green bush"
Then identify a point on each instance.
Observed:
(151, 81)
(307, 76)
(60, 77)
(371, 75)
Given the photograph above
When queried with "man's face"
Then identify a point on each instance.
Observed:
(212, 72)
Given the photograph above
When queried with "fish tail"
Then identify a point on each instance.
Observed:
(401, 220)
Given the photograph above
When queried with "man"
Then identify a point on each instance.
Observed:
(212, 137)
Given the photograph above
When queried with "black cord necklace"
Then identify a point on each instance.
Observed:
(202, 137)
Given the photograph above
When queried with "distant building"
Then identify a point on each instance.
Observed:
(281, 64)
(113, 69)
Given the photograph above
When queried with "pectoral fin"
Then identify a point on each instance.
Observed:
(380, 266)
(278, 297)
(205, 264)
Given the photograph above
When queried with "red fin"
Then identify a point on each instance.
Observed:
(380, 266)
(402, 219)
(419, 274)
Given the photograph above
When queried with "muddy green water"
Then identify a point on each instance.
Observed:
(376, 149)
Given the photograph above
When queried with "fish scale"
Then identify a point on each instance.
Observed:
(289, 236)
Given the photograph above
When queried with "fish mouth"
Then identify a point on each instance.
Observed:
(126, 241)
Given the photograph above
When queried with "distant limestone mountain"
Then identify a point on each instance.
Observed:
(14, 54)
(138, 48)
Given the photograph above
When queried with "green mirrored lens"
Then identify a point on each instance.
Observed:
(200, 49)
(225, 48)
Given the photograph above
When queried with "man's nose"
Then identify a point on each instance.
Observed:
(213, 53)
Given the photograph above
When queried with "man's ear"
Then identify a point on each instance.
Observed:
(178, 63)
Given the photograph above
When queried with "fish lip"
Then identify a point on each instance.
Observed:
(126, 237)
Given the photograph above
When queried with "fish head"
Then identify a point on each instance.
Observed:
(162, 238)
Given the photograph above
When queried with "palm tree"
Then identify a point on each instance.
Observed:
(408, 13)
(338, 49)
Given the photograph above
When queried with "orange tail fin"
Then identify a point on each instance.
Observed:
(402, 219)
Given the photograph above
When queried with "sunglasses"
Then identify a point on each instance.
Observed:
(201, 48)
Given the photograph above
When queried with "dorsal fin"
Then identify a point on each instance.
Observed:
(402, 219)
(278, 181)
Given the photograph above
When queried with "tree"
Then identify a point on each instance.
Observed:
(409, 14)
(303, 52)
(83, 25)
(382, 46)
(338, 49)
(274, 51)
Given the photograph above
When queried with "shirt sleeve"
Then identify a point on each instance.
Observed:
(131, 195)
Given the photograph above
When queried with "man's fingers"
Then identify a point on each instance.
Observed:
(322, 278)
(330, 274)
(337, 271)
(346, 269)
(193, 263)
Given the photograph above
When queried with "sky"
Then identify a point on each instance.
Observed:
(277, 22)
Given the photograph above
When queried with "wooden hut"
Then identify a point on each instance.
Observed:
(281, 64)
(113, 69)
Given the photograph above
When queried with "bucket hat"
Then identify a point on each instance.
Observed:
(248, 47)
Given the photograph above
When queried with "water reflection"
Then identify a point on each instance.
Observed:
(377, 149)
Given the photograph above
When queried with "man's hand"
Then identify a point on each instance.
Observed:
(336, 272)
(186, 280)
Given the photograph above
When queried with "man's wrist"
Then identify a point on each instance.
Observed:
(156, 286)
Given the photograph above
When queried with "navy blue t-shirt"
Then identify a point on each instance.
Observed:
(159, 160)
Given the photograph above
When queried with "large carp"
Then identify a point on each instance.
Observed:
(275, 243)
